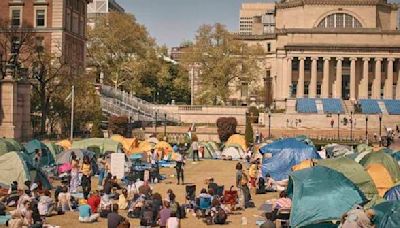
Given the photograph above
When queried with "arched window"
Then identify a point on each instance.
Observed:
(339, 20)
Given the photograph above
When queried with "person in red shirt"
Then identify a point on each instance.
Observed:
(94, 201)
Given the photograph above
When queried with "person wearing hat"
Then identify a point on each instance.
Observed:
(85, 213)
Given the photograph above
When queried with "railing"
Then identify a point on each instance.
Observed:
(118, 102)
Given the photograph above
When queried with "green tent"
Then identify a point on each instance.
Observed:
(363, 148)
(356, 173)
(47, 158)
(6, 147)
(387, 214)
(16, 145)
(320, 194)
(214, 146)
(14, 166)
(208, 153)
(385, 160)
(53, 148)
(98, 145)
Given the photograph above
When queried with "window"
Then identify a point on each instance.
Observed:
(41, 18)
(339, 20)
(15, 17)
(268, 47)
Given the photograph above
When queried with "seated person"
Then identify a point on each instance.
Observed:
(283, 203)
(13, 195)
(94, 201)
(85, 213)
(164, 214)
(273, 185)
(23, 198)
(22, 216)
(64, 200)
(114, 220)
(261, 186)
(123, 200)
(173, 221)
(46, 204)
(105, 206)
(212, 185)
(358, 217)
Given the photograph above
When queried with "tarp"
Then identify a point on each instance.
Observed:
(13, 167)
(238, 140)
(387, 214)
(356, 173)
(320, 194)
(234, 152)
(386, 160)
(66, 144)
(98, 145)
(46, 158)
(336, 150)
(284, 154)
(393, 193)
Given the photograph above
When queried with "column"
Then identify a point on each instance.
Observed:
(325, 80)
(353, 79)
(312, 90)
(289, 76)
(388, 94)
(339, 77)
(300, 84)
(398, 80)
(363, 89)
(376, 93)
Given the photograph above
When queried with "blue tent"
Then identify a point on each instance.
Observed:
(393, 193)
(285, 153)
(396, 156)
(387, 214)
(47, 158)
(320, 194)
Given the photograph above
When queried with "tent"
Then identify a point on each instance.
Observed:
(165, 147)
(47, 157)
(54, 148)
(66, 144)
(396, 156)
(5, 147)
(208, 153)
(393, 193)
(387, 214)
(214, 146)
(237, 140)
(234, 152)
(14, 167)
(336, 150)
(16, 146)
(320, 194)
(65, 156)
(363, 148)
(383, 169)
(304, 165)
(153, 140)
(283, 155)
(354, 172)
(98, 145)
(128, 143)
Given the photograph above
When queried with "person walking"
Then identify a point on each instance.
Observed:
(180, 162)
(86, 170)
(195, 148)
(101, 163)
(239, 173)
(74, 174)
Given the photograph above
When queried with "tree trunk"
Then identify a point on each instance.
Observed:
(43, 109)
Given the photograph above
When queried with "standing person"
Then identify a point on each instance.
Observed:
(153, 157)
(239, 173)
(101, 163)
(74, 174)
(86, 170)
(332, 123)
(195, 148)
(253, 172)
(180, 162)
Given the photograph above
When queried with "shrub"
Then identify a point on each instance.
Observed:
(118, 124)
(248, 135)
(253, 114)
(226, 127)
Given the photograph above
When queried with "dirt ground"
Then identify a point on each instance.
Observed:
(195, 173)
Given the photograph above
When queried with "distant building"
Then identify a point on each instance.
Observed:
(256, 18)
(100, 7)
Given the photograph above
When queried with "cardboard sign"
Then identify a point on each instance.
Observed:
(118, 165)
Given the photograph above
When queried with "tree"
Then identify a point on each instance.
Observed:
(118, 124)
(249, 134)
(224, 63)
(226, 127)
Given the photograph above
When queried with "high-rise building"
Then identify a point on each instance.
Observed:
(100, 7)
(256, 18)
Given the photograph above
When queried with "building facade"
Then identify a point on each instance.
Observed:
(256, 18)
(346, 49)
(100, 7)
(58, 25)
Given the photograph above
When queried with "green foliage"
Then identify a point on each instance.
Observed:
(253, 114)
(118, 124)
(249, 134)
(226, 127)
(224, 63)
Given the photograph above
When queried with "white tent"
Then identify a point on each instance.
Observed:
(233, 153)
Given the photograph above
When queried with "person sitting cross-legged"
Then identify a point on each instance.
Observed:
(85, 213)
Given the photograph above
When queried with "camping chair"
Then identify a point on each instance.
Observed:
(204, 205)
(190, 193)
(230, 197)
(220, 191)
(283, 218)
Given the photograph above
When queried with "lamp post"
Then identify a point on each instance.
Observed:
(351, 126)
(269, 124)
(366, 129)
(155, 124)
(380, 129)
(165, 125)
(338, 125)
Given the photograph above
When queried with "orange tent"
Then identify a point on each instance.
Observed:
(303, 165)
(127, 143)
(66, 144)
(143, 146)
(381, 177)
(238, 140)
(165, 147)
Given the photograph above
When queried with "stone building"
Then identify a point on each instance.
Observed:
(100, 7)
(337, 49)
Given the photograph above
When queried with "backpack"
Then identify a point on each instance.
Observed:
(220, 217)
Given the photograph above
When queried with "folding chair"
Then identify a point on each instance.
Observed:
(204, 205)
(190, 193)
(283, 218)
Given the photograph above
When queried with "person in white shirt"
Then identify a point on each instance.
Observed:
(195, 149)
(173, 221)
(46, 204)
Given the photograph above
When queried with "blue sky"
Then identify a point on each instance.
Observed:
(172, 21)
